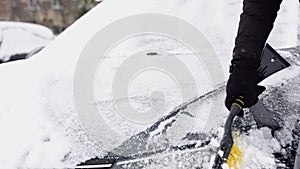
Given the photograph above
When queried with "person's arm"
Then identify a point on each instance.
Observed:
(256, 23)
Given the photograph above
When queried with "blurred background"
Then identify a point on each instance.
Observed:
(55, 14)
(27, 26)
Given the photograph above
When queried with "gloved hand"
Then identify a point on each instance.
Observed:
(242, 84)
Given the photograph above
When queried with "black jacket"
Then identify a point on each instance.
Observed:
(256, 23)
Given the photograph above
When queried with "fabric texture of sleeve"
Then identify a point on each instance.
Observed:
(256, 23)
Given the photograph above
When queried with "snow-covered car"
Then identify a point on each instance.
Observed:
(58, 109)
(19, 39)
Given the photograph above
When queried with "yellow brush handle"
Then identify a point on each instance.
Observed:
(227, 147)
(235, 156)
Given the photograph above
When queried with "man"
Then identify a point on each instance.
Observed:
(256, 23)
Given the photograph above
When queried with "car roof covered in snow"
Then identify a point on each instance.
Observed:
(19, 37)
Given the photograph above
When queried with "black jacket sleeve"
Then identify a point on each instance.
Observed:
(256, 23)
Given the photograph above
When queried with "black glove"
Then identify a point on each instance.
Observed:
(242, 83)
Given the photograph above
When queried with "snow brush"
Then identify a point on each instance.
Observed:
(229, 153)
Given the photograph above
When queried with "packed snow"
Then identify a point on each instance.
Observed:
(40, 126)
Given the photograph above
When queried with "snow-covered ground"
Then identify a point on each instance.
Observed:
(47, 119)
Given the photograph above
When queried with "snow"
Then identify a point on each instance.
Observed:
(39, 123)
(19, 38)
(258, 147)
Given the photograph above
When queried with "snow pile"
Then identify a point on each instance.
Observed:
(38, 120)
(258, 147)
